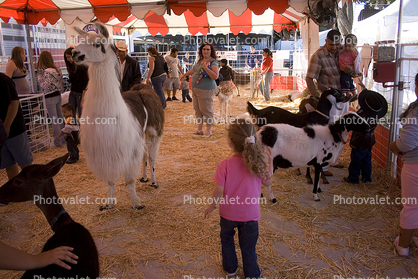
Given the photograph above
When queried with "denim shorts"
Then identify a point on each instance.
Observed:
(16, 150)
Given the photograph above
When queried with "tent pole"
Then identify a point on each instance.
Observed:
(397, 99)
(30, 53)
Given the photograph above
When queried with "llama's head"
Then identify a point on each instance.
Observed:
(93, 47)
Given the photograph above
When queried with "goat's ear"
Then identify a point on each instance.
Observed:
(102, 30)
(52, 168)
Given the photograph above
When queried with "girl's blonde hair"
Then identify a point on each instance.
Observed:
(16, 56)
(254, 154)
(46, 61)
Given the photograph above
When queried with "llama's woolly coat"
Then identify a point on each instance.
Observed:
(97, 138)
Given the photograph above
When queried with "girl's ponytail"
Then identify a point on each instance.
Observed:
(243, 137)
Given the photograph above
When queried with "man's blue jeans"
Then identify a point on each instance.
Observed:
(248, 236)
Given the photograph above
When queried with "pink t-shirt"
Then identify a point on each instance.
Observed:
(242, 190)
(347, 58)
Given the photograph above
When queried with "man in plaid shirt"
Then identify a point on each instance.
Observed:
(324, 67)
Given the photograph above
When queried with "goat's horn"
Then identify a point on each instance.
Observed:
(333, 101)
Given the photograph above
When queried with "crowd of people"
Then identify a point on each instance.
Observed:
(330, 66)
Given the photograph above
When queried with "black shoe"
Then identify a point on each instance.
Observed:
(348, 180)
(366, 180)
(184, 101)
(168, 99)
(72, 161)
(190, 99)
(174, 98)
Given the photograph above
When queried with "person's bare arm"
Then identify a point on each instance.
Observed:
(216, 195)
(311, 86)
(395, 149)
(15, 259)
(188, 73)
(10, 68)
(11, 114)
(180, 69)
(151, 62)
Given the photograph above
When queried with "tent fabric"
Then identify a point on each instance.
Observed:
(207, 22)
(86, 10)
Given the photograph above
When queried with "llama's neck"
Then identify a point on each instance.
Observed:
(103, 90)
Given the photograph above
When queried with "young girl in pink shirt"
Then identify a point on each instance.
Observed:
(238, 192)
(349, 60)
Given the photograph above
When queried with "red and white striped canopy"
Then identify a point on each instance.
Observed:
(207, 22)
(104, 10)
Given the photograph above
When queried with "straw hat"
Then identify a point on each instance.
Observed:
(373, 103)
(121, 45)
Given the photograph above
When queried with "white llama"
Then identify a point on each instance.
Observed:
(118, 129)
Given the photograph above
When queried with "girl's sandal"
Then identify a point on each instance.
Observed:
(207, 135)
(199, 133)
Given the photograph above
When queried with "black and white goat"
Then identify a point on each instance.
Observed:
(35, 183)
(315, 145)
(320, 116)
(270, 115)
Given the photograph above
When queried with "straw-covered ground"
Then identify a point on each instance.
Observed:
(299, 238)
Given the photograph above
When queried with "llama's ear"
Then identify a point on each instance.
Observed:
(112, 46)
(81, 32)
(102, 30)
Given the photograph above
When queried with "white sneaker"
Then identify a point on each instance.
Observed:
(229, 275)
(403, 252)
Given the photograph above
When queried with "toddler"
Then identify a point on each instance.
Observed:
(239, 180)
(373, 106)
(70, 132)
(349, 60)
(184, 86)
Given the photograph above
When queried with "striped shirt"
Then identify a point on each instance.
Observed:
(324, 67)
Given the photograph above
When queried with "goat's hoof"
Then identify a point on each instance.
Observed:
(325, 182)
(138, 207)
(154, 185)
(319, 190)
(297, 172)
(262, 195)
(143, 180)
(274, 200)
(105, 207)
(309, 181)
(316, 198)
